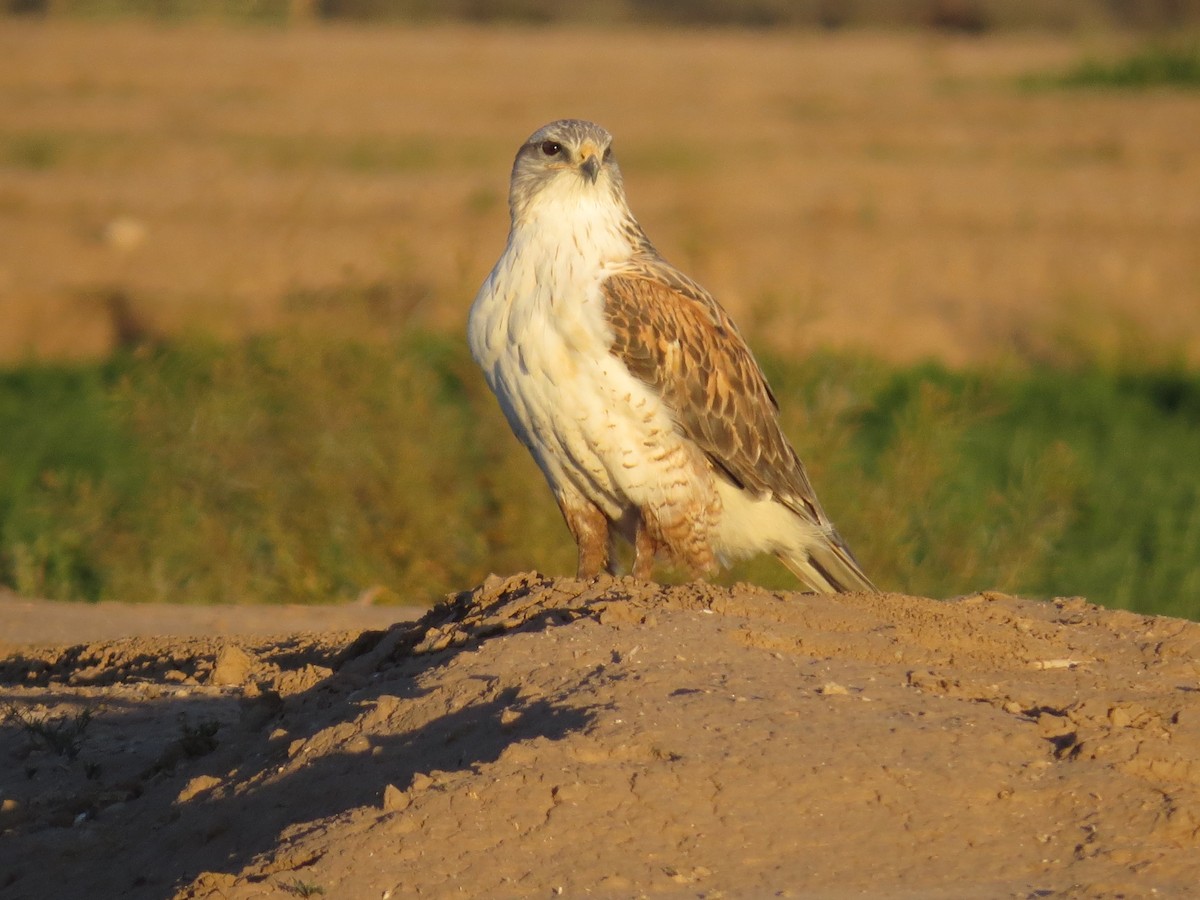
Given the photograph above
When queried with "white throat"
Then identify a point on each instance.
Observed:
(570, 218)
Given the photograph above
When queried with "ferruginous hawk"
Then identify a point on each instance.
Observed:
(631, 386)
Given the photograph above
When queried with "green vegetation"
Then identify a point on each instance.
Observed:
(1155, 66)
(304, 888)
(298, 468)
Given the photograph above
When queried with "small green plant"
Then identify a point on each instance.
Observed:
(304, 888)
(62, 735)
(1151, 67)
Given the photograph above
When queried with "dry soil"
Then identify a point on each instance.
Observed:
(542, 737)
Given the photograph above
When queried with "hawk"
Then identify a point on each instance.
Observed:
(632, 387)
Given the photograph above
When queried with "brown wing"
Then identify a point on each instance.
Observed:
(676, 338)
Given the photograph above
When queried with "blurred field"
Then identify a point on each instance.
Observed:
(899, 194)
(304, 468)
(235, 265)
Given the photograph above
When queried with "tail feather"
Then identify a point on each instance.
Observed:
(827, 566)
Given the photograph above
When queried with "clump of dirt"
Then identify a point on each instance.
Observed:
(542, 736)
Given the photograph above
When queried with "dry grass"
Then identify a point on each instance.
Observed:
(897, 194)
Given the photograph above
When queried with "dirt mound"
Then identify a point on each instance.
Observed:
(551, 736)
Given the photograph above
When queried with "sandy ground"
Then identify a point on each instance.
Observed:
(542, 737)
(24, 621)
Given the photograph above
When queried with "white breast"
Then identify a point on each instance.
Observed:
(538, 331)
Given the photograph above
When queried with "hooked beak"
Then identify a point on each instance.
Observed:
(591, 162)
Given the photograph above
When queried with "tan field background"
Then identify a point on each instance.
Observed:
(898, 194)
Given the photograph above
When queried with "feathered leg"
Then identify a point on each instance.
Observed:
(645, 549)
(590, 528)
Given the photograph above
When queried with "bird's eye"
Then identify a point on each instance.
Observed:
(607, 153)
(551, 148)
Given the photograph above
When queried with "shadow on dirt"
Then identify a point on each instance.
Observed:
(183, 782)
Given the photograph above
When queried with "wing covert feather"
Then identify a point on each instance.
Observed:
(675, 337)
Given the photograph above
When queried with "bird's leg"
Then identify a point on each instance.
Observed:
(645, 548)
(589, 527)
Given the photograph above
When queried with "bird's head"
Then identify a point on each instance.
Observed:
(566, 162)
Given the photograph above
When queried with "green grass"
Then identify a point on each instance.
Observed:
(67, 461)
(301, 468)
(1156, 66)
